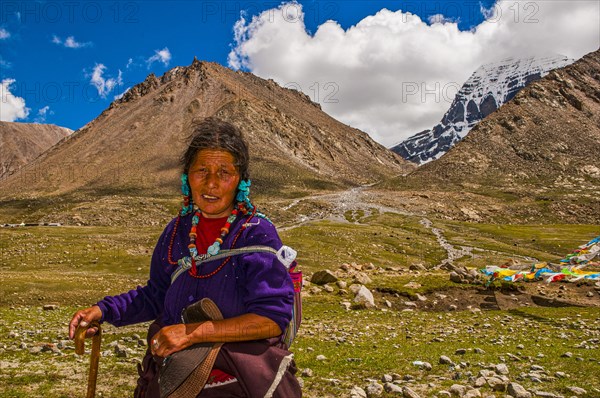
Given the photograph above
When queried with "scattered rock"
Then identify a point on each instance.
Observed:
(518, 391)
(502, 369)
(567, 355)
(544, 394)
(50, 307)
(472, 394)
(455, 277)
(496, 384)
(362, 278)
(121, 351)
(514, 357)
(417, 267)
(50, 347)
(444, 360)
(322, 277)
(374, 389)
(364, 297)
(407, 392)
(307, 372)
(458, 389)
(321, 357)
(315, 290)
(341, 284)
(577, 390)
(392, 388)
(479, 382)
(423, 365)
(357, 392)
(460, 351)
(328, 288)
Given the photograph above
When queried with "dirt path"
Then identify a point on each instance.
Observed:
(357, 201)
(452, 252)
(339, 203)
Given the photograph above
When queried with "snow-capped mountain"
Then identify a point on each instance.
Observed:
(486, 90)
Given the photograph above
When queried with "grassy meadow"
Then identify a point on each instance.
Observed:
(72, 267)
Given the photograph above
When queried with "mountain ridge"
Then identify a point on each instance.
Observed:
(293, 144)
(486, 90)
(20, 143)
(538, 155)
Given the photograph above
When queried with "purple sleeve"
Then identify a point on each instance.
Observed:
(143, 303)
(269, 290)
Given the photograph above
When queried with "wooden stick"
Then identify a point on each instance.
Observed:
(95, 358)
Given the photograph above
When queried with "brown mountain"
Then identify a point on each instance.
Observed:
(133, 147)
(22, 142)
(542, 149)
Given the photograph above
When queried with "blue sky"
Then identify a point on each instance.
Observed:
(64, 62)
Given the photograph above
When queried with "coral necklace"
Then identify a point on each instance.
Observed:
(215, 247)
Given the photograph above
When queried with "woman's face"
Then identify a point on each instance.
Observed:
(213, 179)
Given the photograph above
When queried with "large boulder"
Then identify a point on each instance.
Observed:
(364, 298)
(322, 277)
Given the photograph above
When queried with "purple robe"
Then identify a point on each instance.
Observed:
(249, 283)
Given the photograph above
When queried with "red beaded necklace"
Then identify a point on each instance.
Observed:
(193, 234)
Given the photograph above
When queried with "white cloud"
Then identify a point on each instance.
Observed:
(103, 85)
(70, 42)
(11, 108)
(4, 34)
(119, 96)
(42, 114)
(163, 56)
(440, 18)
(394, 74)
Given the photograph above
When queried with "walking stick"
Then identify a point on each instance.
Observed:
(95, 358)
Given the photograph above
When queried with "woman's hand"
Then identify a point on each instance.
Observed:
(244, 327)
(83, 318)
(171, 339)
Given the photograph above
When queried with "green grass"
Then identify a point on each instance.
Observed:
(327, 244)
(75, 266)
(545, 242)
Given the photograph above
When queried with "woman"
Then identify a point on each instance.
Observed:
(253, 291)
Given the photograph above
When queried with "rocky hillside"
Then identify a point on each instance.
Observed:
(485, 91)
(541, 148)
(133, 146)
(22, 142)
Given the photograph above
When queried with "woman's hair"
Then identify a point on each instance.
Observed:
(214, 133)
